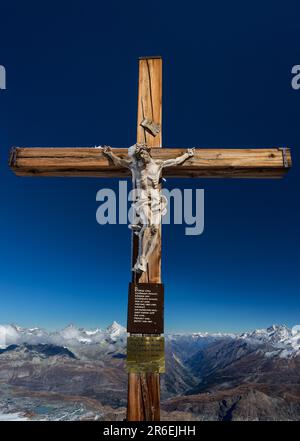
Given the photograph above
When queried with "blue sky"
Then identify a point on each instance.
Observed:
(72, 81)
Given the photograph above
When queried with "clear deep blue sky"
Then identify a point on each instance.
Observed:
(72, 81)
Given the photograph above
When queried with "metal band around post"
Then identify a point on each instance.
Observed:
(284, 157)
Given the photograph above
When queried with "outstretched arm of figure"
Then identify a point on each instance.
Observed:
(119, 162)
(179, 160)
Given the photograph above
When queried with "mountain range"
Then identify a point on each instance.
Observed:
(76, 373)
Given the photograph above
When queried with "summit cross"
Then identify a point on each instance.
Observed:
(144, 378)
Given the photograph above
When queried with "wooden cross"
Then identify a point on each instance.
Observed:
(144, 388)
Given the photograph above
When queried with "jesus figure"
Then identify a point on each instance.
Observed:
(149, 205)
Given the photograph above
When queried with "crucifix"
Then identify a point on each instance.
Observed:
(149, 205)
(147, 162)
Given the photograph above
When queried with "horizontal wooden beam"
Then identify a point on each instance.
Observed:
(206, 163)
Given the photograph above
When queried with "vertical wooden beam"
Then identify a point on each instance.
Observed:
(144, 389)
(150, 107)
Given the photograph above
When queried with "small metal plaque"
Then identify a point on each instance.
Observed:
(145, 308)
(145, 354)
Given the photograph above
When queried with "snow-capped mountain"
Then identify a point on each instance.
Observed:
(116, 330)
(274, 334)
(283, 341)
(70, 335)
(256, 374)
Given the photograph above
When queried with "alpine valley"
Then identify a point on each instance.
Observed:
(79, 374)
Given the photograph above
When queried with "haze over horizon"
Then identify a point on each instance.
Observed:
(73, 331)
(114, 323)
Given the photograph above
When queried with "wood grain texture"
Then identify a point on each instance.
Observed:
(144, 389)
(143, 393)
(150, 99)
(150, 107)
(206, 163)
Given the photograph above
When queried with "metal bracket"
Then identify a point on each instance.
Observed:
(284, 157)
(151, 126)
(150, 57)
(12, 157)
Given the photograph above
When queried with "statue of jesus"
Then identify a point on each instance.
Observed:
(149, 205)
